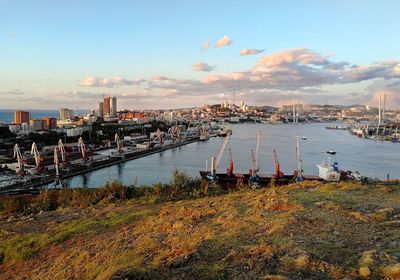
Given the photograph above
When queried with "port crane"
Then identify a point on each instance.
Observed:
(20, 160)
(38, 158)
(82, 148)
(159, 137)
(57, 180)
(299, 171)
(255, 158)
(62, 150)
(186, 133)
(118, 142)
(204, 132)
(230, 163)
(171, 132)
(215, 160)
(278, 173)
(179, 133)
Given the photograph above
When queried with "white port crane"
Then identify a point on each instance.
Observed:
(255, 158)
(57, 180)
(62, 150)
(159, 137)
(82, 148)
(186, 132)
(36, 154)
(178, 131)
(215, 160)
(20, 160)
(118, 142)
(171, 132)
(299, 177)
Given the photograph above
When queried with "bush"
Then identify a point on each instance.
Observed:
(182, 186)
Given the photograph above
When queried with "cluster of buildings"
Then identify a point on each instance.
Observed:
(107, 109)
(73, 124)
(24, 124)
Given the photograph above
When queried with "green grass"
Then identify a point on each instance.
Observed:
(23, 246)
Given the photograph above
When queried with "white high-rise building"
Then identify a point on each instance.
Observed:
(113, 106)
(171, 117)
(66, 114)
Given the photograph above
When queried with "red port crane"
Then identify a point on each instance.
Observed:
(278, 173)
(230, 163)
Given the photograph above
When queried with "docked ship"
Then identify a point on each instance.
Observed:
(329, 172)
(253, 177)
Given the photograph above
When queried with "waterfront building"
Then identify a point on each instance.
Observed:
(21, 117)
(66, 114)
(113, 106)
(106, 106)
(50, 123)
(100, 109)
(37, 124)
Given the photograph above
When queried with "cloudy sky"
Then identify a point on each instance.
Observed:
(171, 54)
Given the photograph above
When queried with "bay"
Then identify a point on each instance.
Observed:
(371, 158)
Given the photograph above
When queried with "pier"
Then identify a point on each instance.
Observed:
(35, 185)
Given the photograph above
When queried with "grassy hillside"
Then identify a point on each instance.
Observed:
(301, 231)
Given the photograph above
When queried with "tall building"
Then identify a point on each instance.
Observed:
(106, 106)
(66, 114)
(100, 109)
(21, 117)
(113, 106)
(171, 117)
(37, 124)
(49, 123)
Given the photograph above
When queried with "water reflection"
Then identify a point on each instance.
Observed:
(371, 158)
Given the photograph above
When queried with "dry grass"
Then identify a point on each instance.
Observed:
(302, 231)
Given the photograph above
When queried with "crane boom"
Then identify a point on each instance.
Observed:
(62, 150)
(255, 156)
(36, 154)
(278, 173)
(257, 150)
(186, 132)
(221, 152)
(230, 163)
(299, 161)
(118, 142)
(253, 167)
(18, 156)
(56, 162)
(82, 147)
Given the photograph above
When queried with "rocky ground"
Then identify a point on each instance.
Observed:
(301, 231)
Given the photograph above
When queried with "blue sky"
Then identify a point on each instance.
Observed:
(47, 48)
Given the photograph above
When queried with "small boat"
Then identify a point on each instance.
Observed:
(304, 138)
(330, 152)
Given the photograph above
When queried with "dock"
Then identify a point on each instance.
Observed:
(35, 185)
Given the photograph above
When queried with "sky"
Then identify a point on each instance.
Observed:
(173, 54)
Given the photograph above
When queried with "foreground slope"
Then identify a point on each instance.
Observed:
(302, 231)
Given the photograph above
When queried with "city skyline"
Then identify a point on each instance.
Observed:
(265, 53)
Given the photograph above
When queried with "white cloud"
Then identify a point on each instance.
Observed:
(205, 46)
(250, 51)
(224, 41)
(285, 72)
(204, 67)
(108, 82)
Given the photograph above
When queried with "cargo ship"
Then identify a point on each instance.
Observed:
(253, 177)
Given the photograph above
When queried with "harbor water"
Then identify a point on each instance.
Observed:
(371, 158)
